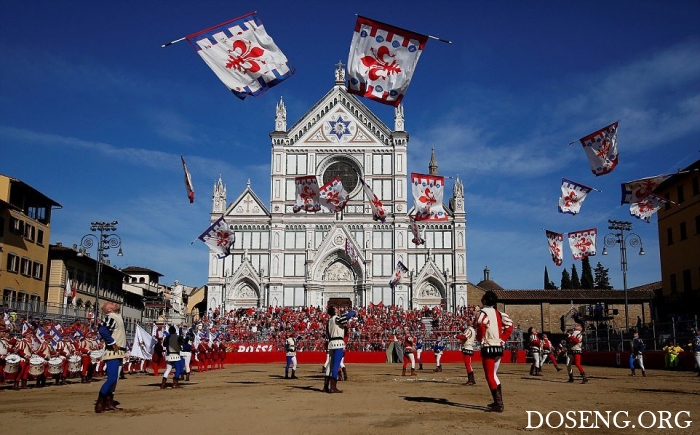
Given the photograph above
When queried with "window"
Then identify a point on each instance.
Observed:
(674, 289)
(293, 296)
(697, 224)
(12, 263)
(345, 171)
(29, 232)
(26, 266)
(37, 213)
(38, 270)
(2, 226)
(294, 264)
(669, 236)
(684, 233)
(16, 226)
(296, 164)
(383, 190)
(381, 164)
(40, 237)
(382, 239)
(383, 264)
(696, 186)
(681, 198)
(687, 284)
(668, 203)
(294, 239)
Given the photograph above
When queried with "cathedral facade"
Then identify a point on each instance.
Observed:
(282, 258)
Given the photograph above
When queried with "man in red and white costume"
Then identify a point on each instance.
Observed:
(65, 349)
(548, 352)
(23, 348)
(492, 330)
(46, 351)
(466, 340)
(535, 347)
(574, 342)
(409, 349)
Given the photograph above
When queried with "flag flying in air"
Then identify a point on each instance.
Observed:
(219, 238)
(637, 190)
(572, 196)
(428, 191)
(352, 252)
(556, 248)
(382, 60)
(308, 195)
(333, 196)
(398, 273)
(378, 212)
(601, 149)
(188, 181)
(74, 290)
(40, 335)
(417, 239)
(583, 243)
(646, 208)
(67, 291)
(143, 344)
(242, 55)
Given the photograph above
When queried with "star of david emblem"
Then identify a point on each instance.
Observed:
(339, 127)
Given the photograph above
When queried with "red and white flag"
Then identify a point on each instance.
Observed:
(556, 248)
(333, 196)
(646, 208)
(428, 191)
(601, 149)
(398, 274)
(572, 196)
(219, 237)
(378, 212)
(417, 239)
(74, 291)
(308, 195)
(382, 60)
(67, 291)
(583, 243)
(188, 181)
(637, 190)
(352, 252)
(242, 55)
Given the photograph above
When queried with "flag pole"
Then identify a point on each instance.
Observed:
(173, 42)
(439, 39)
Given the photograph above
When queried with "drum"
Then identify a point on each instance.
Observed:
(173, 357)
(74, 363)
(12, 363)
(96, 355)
(36, 365)
(185, 354)
(55, 366)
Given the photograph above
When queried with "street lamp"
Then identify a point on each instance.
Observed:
(620, 238)
(104, 241)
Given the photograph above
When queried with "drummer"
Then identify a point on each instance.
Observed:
(44, 351)
(4, 351)
(23, 348)
(65, 350)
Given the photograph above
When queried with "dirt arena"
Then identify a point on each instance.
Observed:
(256, 399)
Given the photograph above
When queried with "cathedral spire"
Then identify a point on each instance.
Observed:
(339, 73)
(433, 166)
(281, 116)
(219, 197)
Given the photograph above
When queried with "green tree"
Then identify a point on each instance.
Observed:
(601, 281)
(548, 285)
(586, 274)
(575, 282)
(565, 280)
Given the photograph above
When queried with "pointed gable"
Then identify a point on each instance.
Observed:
(247, 204)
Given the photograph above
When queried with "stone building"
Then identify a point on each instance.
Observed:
(282, 258)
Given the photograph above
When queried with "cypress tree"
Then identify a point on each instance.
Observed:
(575, 282)
(601, 281)
(548, 285)
(586, 274)
(565, 280)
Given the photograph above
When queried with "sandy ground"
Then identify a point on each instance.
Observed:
(376, 399)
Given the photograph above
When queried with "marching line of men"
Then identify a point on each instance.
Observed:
(78, 353)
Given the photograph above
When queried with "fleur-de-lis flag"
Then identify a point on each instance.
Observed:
(219, 238)
(242, 55)
(382, 60)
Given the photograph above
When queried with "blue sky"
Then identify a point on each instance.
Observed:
(95, 114)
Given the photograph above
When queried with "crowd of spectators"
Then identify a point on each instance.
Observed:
(373, 327)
